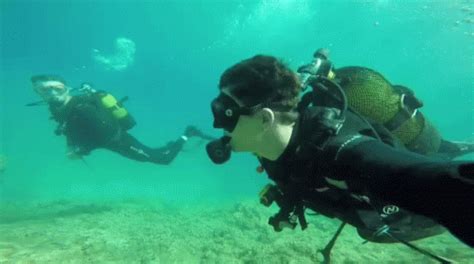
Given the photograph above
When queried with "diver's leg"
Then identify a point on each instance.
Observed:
(166, 154)
(453, 149)
(130, 147)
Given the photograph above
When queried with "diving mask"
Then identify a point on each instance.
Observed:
(226, 112)
(52, 91)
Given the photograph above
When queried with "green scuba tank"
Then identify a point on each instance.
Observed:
(116, 109)
(396, 107)
(369, 94)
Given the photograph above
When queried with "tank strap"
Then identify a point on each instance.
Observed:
(427, 134)
(408, 110)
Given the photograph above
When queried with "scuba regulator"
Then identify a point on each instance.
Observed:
(219, 150)
(320, 66)
(325, 93)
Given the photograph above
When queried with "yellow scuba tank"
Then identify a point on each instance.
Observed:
(116, 109)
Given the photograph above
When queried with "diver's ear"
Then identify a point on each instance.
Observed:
(268, 117)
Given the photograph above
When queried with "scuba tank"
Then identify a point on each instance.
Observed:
(368, 93)
(111, 105)
(115, 107)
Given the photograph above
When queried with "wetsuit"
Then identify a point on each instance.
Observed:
(358, 170)
(87, 125)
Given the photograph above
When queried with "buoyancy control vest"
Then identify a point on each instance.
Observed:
(302, 176)
(103, 101)
(91, 120)
(368, 214)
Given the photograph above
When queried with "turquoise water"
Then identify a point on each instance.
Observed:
(167, 56)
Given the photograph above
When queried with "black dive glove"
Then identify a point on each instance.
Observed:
(291, 208)
(281, 220)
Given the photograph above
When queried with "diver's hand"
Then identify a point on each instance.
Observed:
(192, 131)
(279, 223)
(73, 155)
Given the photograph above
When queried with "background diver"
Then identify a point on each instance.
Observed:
(95, 119)
(326, 156)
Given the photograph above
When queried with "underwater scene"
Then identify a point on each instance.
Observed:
(143, 188)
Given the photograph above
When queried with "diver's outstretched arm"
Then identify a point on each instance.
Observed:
(192, 131)
(439, 189)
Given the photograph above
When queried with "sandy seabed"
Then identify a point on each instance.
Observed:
(150, 232)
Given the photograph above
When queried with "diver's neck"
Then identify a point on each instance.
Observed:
(276, 141)
(66, 101)
(60, 104)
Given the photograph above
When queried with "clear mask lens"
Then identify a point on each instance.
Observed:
(52, 91)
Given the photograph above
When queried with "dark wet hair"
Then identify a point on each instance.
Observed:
(46, 77)
(263, 79)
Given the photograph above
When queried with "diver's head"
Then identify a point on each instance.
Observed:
(52, 89)
(256, 96)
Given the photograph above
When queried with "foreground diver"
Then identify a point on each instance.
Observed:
(95, 119)
(329, 158)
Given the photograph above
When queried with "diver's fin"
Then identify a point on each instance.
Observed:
(454, 149)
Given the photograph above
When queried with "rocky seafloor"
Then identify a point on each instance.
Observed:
(151, 232)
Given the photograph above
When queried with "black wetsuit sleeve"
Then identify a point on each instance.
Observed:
(440, 189)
